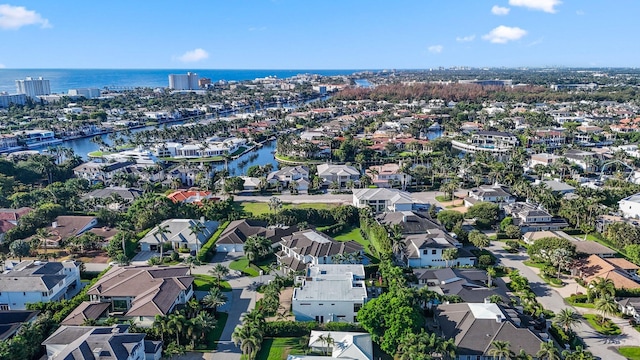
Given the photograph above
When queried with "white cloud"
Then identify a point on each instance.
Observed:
(580, 12)
(466, 38)
(543, 5)
(15, 17)
(2, 66)
(503, 34)
(435, 49)
(499, 10)
(194, 55)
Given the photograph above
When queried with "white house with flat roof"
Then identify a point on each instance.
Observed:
(630, 206)
(330, 292)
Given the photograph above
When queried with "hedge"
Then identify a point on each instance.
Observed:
(208, 249)
(334, 229)
(303, 328)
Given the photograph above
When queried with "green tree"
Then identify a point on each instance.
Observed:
(214, 298)
(449, 218)
(479, 239)
(249, 339)
(542, 249)
(484, 212)
(219, 271)
(633, 252)
(20, 249)
(491, 273)
(607, 306)
(548, 351)
(567, 319)
(501, 350)
(512, 232)
(578, 354)
(415, 347)
(601, 288)
(449, 254)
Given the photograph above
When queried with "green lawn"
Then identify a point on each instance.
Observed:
(443, 198)
(609, 328)
(279, 348)
(630, 352)
(353, 233)
(259, 208)
(242, 264)
(214, 336)
(205, 282)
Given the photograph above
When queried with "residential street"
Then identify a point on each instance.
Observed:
(600, 345)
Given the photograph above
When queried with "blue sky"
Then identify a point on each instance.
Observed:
(309, 34)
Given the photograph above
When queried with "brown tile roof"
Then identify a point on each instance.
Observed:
(154, 289)
(14, 214)
(86, 310)
(596, 267)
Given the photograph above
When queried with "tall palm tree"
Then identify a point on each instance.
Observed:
(176, 324)
(219, 271)
(491, 273)
(501, 350)
(198, 228)
(191, 262)
(160, 235)
(448, 349)
(607, 306)
(578, 354)
(213, 299)
(249, 339)
(43, 235)
(548, 351)
(601, 287)
(567, 319)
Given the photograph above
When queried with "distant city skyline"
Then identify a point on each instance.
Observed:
(288, 34)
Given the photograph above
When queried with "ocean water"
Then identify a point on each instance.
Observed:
(61, 80)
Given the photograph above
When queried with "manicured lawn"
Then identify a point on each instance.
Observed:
(279, 348)
(242, 264)
(205, 282)
(214, 336)
(630, 352)
(534, 264)
(610, 329)
(259, 208)
(353, 233)
(443, 198)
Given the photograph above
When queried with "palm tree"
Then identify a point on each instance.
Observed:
(522, 355)
(449, 254)
(548, 351)
(213, 299)
(160, 235)
(567, 319)
(501, 349)
(491, 273)
(43, 235)
(219, 271)
(192, 262)
(448, 349)
(198, 228)
(254, 318)
(176, 324)
(275, 204)
(601, 287)
(578, 354)
(607, 306)
(249, 339)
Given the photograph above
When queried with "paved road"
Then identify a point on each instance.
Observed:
(601, 346)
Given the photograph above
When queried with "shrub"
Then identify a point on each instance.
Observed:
(334, 229)
(578, 299)
(208, 250)
(485, 260)
(288, 328)
(559, 335)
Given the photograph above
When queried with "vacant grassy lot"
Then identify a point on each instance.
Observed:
(259, 208)
(279, 348)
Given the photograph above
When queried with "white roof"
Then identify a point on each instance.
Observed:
(485, 311)
(346, 345)
(393, 195)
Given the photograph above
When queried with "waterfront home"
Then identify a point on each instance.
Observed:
(8, 142)
(212, 147)
(586, 160)
(288, 174)
(383, 200)
(180, 233)
(140, 293)
(549, 138)
(99, 172)
(37, 281)
(474, 327)
(312, 247)
(630, 206)
(138, 155)
(100, 342)
(338, 174)
(330, 293)
(37, 137)
(494, 142)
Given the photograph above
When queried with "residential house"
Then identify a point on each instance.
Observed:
(426, 250)
(586, 160)
(382, 200)
(630, 307)
(339, 174)
(530, 217)
(98, 172)
(330, 293)
(621, 272)
(558, 187)
(181, 233)
(474, 327)
(630, 206)
(191, 196)
(12, 320)
(35, 281)
(388, 175)
(603, 221)
(288, 174)
(549, 139)
(114, 198)
(14, 215)
(65, 227)
(470, 284)
(100, 342)
(344, 345)
(543, 159)
(494, 142)
(586, 248)
(496, 193)
(233, 237)
(310, 247)
(140, 293)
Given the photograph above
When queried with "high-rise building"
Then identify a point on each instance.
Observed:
(33, 87)
(188, 81)
(88, 93)
(6, 100)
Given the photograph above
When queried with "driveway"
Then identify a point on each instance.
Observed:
(601, 346)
